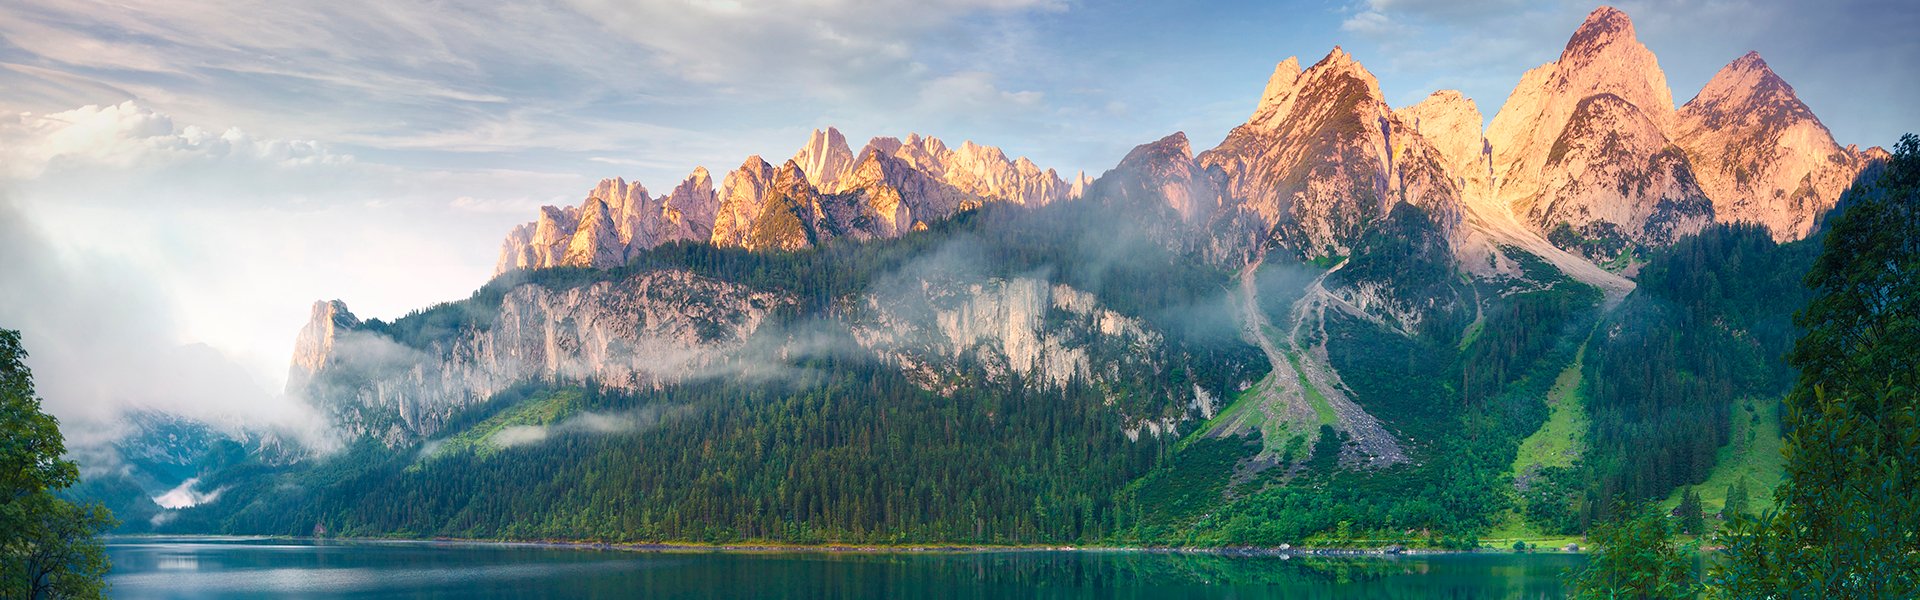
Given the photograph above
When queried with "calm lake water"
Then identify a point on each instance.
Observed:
(274, 568)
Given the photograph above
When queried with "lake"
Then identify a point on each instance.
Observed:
(282, 568)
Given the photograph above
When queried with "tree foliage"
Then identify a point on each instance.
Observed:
(1706, 327)
(1737, 501)
(1635, 557)
(1849, 523)
(48, 545)
(1693, 520)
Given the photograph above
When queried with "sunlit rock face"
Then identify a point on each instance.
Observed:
(1613, 173)
(824, 159)
(1760, 153)
(617, 220)
(883, 191)
(314, 345)
(1583, 143)
(1451, 123)
(1321, 158)
(649, 329)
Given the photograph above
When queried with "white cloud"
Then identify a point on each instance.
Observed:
(184, 496)
(1371, 22)
(153, 264)
(974, 92)
(792, 45)
(130, 136)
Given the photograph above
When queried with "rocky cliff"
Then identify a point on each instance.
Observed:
(648, 329)
(1761, 154)
(1322, 158)
(881, 192)
(617, 220)
(1584, 142)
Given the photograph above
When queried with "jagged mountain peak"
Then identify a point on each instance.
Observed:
(1760, 152)
(1174, 145)
(1451, 122)
(1288, 84)
(1748, 83)
(1602, 59)
(790, 170)
(1285, 76)
(1603, 29)
(825, 158)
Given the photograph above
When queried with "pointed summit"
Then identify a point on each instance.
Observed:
(1604, 27)
(1288, 84)
(825, 158)
(741, 196)
(690, 207)
(1747, 80)
(1285, 76)
(1760, 153)
(1316, 163)
(1602, 58)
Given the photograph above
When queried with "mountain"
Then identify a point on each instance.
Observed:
(617, 220)
(403, 381)
(1761, 154)
(1322, 158)
(1346, 315)
(844, 196)
(1583, 147)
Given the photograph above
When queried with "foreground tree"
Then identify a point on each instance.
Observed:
(1848, 517)
(1636, 557)
(49, 548)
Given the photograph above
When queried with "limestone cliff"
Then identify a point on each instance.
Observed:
(1607, 101)
(1321, 159)
(882, 192)
(1761, 154)
(649, 329)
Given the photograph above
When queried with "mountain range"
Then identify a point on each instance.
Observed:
(1345, 312)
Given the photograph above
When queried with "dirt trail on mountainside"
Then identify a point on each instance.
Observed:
(1303, 345)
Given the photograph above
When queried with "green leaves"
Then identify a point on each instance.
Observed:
(48, 546)
(1636, 558)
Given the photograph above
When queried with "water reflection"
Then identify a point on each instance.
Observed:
(156, 568)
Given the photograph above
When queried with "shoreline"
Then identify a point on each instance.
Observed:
(1389, 551)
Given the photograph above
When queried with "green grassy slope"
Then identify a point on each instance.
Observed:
(1752, 456)
(1561, 441)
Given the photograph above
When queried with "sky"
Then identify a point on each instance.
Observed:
(179, 182)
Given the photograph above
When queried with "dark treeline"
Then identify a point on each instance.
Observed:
(857, 453)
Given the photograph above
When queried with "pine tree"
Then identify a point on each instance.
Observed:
(1692, 521)
(1736, 500)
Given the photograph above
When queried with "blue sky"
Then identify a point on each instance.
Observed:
(242, 158)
